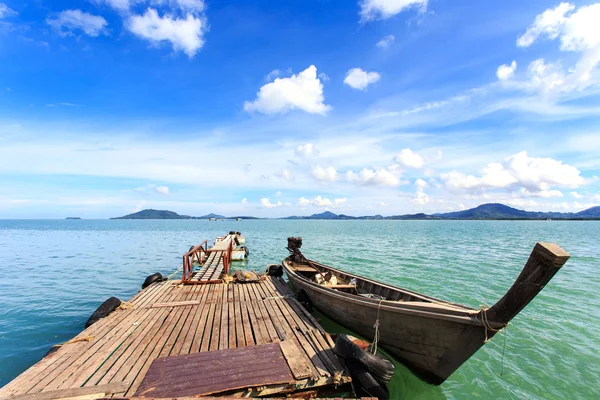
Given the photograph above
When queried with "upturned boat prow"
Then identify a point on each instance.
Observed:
(432, 337)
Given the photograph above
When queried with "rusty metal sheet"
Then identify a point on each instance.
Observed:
(215, 372)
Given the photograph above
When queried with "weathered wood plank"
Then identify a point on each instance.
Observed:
(117, 387)
(296, 361)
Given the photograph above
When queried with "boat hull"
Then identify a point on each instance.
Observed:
(419, 341)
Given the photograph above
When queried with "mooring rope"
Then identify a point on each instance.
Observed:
(486, 325)
(376, 326)
(176, 271)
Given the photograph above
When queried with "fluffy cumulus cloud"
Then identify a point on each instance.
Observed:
(120, 5)
(305, 150)
(321, 174)
(303, 91)
(244, 201)
(578, 31)
(420, 183)
(410, 159)
(505, 72)
(359, 79)
(76, 20)
(383, 9)
(320, 201)
(266, 203)
(386, 42)
(162, 190)
(576, 195)
(185, 34)
(420, 198)
(375, 177)
(535, 175)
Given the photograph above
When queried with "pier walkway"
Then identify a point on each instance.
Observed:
(113, 356)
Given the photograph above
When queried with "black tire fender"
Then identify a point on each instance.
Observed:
(365, 383)
(105, 308)
(246, 251)
(157, 277)
(275, 270)
(379, 366)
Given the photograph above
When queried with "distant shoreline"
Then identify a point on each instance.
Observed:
(485, 212)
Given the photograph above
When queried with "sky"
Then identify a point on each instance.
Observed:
(278, 108)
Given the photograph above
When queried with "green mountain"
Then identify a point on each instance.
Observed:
(154, 214)
(211, 215)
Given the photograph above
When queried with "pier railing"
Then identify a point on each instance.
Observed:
(200, 254)
(197, 254)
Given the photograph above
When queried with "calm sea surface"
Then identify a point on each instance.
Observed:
(54, 274)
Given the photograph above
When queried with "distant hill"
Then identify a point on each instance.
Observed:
(484, 211)
(211, 215)
(154, 214)
(593, 212)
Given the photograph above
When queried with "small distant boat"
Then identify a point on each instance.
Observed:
(212, 219)
(432, 337)
(238, 219)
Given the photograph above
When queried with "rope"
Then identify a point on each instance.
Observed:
(503, 350)
(75, 340)
(176, 271)
(125, 305)
(376, 326)
(486, 324)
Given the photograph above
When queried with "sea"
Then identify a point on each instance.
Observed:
(55, 273)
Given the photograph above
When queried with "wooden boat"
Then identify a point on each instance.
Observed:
(430, 336)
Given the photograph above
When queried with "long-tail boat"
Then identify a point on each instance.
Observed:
(431, 337)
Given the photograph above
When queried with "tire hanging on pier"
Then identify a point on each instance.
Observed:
(246, 251)
(105, 308)
(157, 277)
(365, 383)
(379, 366)
(275, 270)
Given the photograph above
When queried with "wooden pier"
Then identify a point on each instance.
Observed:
(113, 356)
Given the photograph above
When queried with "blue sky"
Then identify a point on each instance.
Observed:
(289, 108)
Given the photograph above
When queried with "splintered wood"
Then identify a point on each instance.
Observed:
(168, 319)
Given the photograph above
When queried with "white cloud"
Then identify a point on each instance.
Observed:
(162, 190)
(244, 201)
(532, 173)
(285, 174)
(5, 11)
(409, 159)
(377, 177)
(420, 183)
(505, 72)
(578, 31)
(267, 204)
(73, 20)
(273, 74)
(383, 9)
(278, 193)
(420, 198)
(386, 42)
(356, 78)
(576, 195)
(305, 150)
(303, 91)
(523, 192)
(320, 201)
(185, 34)
(328, 174)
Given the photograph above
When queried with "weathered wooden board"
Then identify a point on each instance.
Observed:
(216, 371)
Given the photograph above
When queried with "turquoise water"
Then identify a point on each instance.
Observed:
(53, 275)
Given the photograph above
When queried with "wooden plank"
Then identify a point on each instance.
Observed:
(117, 387)
(259, 329)
(243, 368)
(296, 361)
(176, 304)
(187, 346)
(216, 322)
(36, 377)
(224, 334)
(235, 317)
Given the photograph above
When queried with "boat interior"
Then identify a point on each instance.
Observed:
(335, 279)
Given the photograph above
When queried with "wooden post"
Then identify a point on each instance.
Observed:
(544, 262)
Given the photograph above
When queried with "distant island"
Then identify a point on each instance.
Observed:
(491, 211)
(72, 218)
